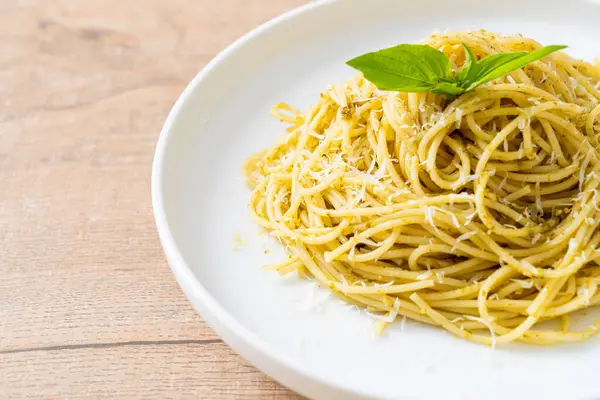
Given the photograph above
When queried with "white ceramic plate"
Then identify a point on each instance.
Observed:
(289, 328)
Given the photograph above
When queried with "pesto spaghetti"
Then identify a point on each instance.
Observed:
(479, 214)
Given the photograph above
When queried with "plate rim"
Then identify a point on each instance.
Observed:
(217, 318)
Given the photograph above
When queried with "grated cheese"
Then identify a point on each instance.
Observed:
(503, 182)
(439, 275)
(461, 238)
(424, 275)
(525, 284)
(387, 284)
(584, 294)
(429, 217)
(459, 115)
(488, 325)
(470, 218)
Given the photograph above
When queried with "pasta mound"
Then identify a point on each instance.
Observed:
(478, 214)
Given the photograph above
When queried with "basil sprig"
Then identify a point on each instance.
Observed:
(421, 68)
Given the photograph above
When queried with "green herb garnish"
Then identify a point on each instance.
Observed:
(421, 68)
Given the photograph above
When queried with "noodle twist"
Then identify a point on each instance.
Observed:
(479, 215)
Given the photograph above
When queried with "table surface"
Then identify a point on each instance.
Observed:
(88, 306)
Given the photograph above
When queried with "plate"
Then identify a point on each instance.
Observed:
(289, 328)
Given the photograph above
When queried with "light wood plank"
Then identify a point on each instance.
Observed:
(88, 305)
(177, 371)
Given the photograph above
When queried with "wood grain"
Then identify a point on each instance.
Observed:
(88, 307)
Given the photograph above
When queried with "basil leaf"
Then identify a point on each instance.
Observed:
(421, 68)
(405, 68)
(448, 88)
(498, 65)
(488, 65)
(469, 69)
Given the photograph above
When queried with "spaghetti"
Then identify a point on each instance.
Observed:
(479, 215)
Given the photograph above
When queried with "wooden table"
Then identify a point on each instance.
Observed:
(88, 306)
